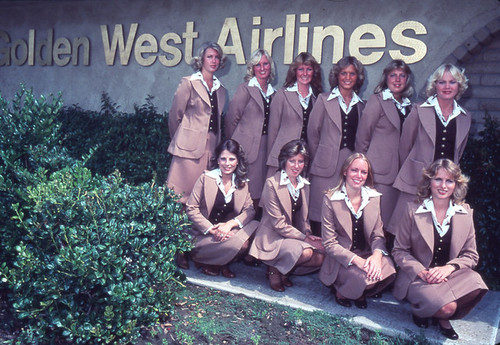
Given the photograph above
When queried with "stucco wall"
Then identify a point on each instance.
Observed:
(449, 24)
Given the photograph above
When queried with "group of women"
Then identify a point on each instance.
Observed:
(386, 168)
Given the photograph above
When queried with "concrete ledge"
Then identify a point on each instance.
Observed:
(386, 315)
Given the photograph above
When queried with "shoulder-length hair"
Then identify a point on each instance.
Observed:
(235, 148)
(461, 181)
(396, 64)
(347, 163)
(457, 73)
(255, 59)
(197, 61)
(307, 59)
(333, 78)
(291, 149)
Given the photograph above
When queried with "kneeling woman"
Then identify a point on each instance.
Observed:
(221, 210)
(356, 263)
(284, 241)
(435, 248)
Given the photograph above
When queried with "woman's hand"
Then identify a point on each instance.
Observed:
(373, 266)
(436, 275)
(222, 231)
(315, 241)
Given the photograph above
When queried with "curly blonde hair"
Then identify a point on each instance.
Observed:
(457, 73)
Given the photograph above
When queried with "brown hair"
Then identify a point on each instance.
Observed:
(307, 59)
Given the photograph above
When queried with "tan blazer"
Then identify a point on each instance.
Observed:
(276, 223)
(189, 118)
(418, 140)
(202, 199)
(245, 119)
(378, 137)
(414, 245)
(336, 231)
(324, 134)
(285, 122)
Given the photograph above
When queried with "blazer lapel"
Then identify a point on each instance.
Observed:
(284, 199)
(210, 190)
(200, 90)
(462, 129)
(257, 97)
(343, 216)
(239, 200)
(427, 118)
(369, 218)
(334, 112)
(458, 238)
(392, 113)
(293, 99)
(426, 228)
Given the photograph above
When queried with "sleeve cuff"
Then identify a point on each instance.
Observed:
(382, 251)
(206, 231)
(239, 223)
(350, 261)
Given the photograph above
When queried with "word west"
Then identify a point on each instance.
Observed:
(367, 42)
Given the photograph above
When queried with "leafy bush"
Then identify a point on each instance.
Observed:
(135, 144)
(481, 162)
(86, 258)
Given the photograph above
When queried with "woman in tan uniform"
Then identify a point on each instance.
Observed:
(194, 120)
(357, 264)
(435, 249)
(284, 241)
(221, 210)
(292, 105)
(247, 118)
(332, 129)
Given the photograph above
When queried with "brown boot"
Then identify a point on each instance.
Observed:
(274, 277)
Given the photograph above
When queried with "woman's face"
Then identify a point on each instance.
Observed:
(304, 74)
(396, 81)
(347, 78)
(227, 162)
(262, 70)
(356, 174)
(294, 166)
(446, 87)
(211, 60)
(442, 185)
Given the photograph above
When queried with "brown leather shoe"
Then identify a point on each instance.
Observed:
(285, 280)
(181, 260)
(274, 277)
(226, 272)
(209, 270)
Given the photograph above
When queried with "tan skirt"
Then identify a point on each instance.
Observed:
(320, 184)
(257, 171)
(211, 252)
(427, 299)
(351, 282)
(184, 172)
(289, 253)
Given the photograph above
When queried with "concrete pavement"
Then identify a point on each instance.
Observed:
(386, 315)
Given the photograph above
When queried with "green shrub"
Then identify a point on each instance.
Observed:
(133, 143)
(481, 162)
(86, 258)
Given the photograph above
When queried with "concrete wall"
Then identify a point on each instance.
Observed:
(436, 31)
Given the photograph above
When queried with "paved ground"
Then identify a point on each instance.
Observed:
(386, 314)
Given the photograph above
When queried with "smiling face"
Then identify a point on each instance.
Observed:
(294, 166)
(262, 70)
(227, 162)
(396, 81)
(211, 60)
(442, 185)
(347, 78)
(356, 174)
(446, 87)
(304, 74)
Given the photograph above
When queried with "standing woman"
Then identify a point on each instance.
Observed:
(332, 130)
(221, 210)
(435, 249)
(379, 131)
(357, 264)
(438, 128)
(247, 119)
(194, 120)
(292, 106)
(284, 241)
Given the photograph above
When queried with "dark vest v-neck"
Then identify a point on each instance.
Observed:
(441, 248)
(214, 110)
(221, 211)
(445, 139)
(267, 107)
(349, 127)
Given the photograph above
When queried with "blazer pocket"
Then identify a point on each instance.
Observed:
(323, 157)
(412, 171)
(189, 139)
